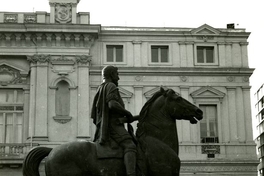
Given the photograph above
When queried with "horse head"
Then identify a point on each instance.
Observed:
(176, 107)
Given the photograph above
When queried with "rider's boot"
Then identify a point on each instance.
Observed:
(130, 163)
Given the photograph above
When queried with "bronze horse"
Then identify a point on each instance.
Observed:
(157, 144)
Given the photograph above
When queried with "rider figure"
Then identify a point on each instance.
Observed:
(108, 108)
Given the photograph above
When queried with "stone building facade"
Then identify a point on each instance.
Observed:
(50, 68)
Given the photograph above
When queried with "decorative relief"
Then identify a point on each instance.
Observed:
(184, 78)
(210, 149)
(83, 59)
(63, 65)
(30, 18)
(9, 75)
(63, 12)
(230, 78)
(245, 79)
(38, 58)
(63, 119)
(10, 18)
(139, 78)
(205, 38)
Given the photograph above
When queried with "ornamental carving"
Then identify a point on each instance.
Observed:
(30, 18)
(38, 58)
(224, 168)
(63, 12)
(230, 78)
(10, 18)
(9, 75)
(184, 78)
(84, 59)
(205, 38)
(210, 149)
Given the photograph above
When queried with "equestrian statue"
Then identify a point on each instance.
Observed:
(116, 151)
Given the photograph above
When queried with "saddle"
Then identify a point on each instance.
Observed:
(109, 150)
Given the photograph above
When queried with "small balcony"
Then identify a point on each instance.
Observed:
(12, 154)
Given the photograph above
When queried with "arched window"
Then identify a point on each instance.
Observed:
(62, 99)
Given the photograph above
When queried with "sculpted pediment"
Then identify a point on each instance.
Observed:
(205, 30)
(10, 74)
(125, 93)
(151, 92)
(207, 93)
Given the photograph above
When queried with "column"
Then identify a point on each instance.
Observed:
(231, 95)
(186, 130)
(137, 53)
(222, 55)
(83, 126)
(247, 113)
(244, 54)
(240, 116)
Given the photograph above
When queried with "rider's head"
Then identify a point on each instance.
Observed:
(110, 73)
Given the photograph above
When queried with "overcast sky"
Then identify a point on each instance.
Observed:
(246, 14)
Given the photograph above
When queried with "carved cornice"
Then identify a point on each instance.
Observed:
(43, 39)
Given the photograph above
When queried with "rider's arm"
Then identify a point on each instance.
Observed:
(114, 105)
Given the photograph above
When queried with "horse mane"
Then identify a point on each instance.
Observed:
(144, 111)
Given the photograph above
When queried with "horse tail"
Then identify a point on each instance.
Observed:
(33, 159)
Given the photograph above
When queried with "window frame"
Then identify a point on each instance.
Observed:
(123, 53)
(168, 63)
(218, 118)
(215, 59)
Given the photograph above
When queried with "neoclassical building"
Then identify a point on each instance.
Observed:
(50, 68)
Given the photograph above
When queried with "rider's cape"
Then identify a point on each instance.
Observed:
(100, 112)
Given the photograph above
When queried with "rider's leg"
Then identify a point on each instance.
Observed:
(129, 156)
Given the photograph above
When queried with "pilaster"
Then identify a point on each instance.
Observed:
(222, 55)
(183, 54)
(228, 54)
(240, 115)
(26, 114)
(83, 103)
(231, 95)
(247, 114)
(137, 53)
(186, 127)
(41, 62)
(244, 54)
(138, 98)
(236, 55)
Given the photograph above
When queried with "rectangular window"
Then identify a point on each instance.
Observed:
(11, 115)
(114, 53)
(159, 54)
(205, 54)
(208, 126)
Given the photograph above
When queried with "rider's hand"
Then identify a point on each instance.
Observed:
(129, 117)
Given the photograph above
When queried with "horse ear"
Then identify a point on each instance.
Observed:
(162, 90)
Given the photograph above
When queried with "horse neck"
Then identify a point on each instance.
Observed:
(159, 125)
